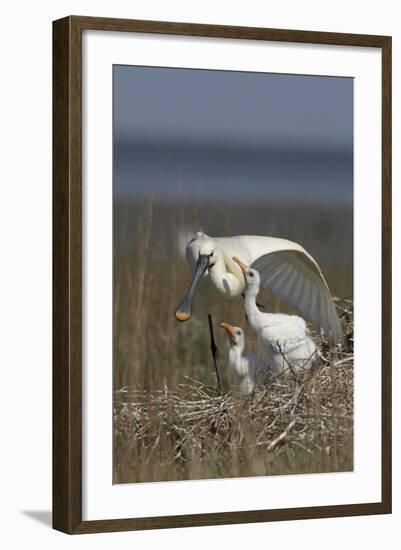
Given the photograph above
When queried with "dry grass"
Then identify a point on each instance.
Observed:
(169, 421)
(296, 425)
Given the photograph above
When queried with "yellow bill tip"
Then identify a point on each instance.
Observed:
(182, 316)
(229, 329)
(243, 266)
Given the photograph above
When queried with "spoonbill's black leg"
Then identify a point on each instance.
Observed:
(215, 352)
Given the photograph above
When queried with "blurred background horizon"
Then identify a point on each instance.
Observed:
(234, 153)
(199, 132)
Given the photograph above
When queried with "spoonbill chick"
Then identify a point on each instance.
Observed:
(245, 370)
(284, 339)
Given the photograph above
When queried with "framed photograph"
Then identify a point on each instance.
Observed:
(222, 274)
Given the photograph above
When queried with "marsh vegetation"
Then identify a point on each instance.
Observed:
(169, 421)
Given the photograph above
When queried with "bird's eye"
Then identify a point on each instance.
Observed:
(238, 333)
(251, 274)
(212, 253)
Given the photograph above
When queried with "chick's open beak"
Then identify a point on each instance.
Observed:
(230, 330)
(244, 267)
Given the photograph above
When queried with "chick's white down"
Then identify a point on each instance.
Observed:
(244, 369)
(284, 339)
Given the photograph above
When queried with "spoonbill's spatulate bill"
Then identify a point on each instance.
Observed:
(245, 369)
(284, 267)
(284, 339)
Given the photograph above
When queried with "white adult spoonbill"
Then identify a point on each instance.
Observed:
(245, 369)
(284, 266)
(284, 339)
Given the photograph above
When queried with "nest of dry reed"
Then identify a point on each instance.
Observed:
(294, 425)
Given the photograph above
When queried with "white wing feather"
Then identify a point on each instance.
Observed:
(302, 285)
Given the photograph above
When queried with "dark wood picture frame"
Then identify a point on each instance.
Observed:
(67, 274)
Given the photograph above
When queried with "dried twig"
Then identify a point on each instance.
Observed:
(282, 436)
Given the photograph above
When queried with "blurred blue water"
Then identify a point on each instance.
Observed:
(200, 173)
(224, 135)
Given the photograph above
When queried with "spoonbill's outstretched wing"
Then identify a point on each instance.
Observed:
(290, 271)
(297, 278)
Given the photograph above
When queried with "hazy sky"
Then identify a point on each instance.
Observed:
(247, 136)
